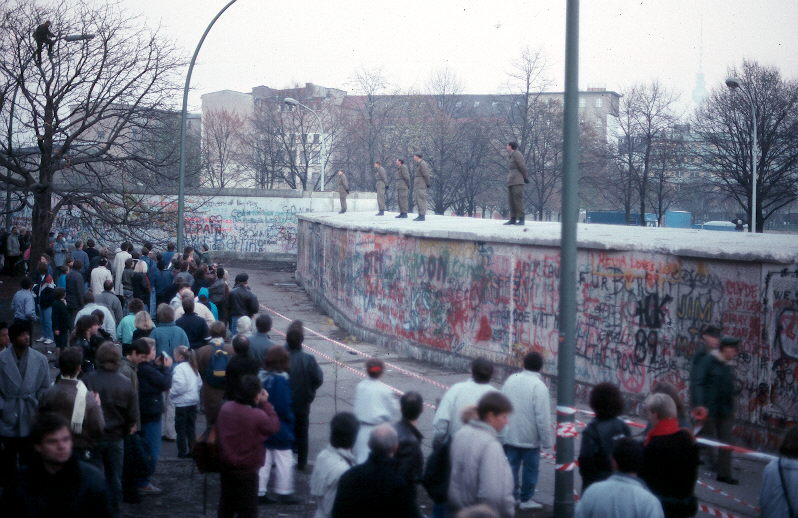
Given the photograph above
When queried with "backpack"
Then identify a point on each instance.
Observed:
(217, 366)
(438, 471)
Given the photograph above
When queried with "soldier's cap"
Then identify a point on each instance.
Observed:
(730, 341)
(711, 330)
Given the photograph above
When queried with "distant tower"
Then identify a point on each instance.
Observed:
(700, 90)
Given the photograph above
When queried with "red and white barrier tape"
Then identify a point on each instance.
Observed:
(361, 353)
(736, 449)
(713, 511)
(357, 372)
(724, 493)
(566, 429)
(560, 409)
(565, 410)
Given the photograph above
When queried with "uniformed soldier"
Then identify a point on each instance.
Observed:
(343, 189)
(381, 179)
(516, 179)
(402, 187)
(420, 185)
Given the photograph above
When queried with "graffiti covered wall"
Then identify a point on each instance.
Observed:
(639, 313)
(226, 223)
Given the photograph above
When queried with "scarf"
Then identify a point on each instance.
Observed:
(667, 426)
(79, 408)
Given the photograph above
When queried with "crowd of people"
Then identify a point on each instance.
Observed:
(145, 341)
(137, 353)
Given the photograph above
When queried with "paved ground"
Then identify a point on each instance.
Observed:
(185, 490)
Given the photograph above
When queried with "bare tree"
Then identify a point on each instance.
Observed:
(724, 123)
(537, 127)
(369, 117)
(477, 171)
(223, 145)
(646, 114)
(442, 136)
(75, 122)
(294, 143)
(669, 160)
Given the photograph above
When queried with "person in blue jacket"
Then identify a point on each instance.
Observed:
(279, 446)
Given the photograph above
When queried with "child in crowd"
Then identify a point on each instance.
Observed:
(62, 324)
(279, 446)
(185, 391)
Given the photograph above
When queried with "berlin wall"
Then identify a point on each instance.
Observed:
(639, 312)
(234, 222)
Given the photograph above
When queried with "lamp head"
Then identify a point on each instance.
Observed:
(78, 37)
(290, 101)
(732, 82)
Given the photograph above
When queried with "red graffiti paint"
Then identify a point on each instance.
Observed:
(485, 332)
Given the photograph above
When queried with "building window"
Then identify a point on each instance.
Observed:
(598, 102)
(476, 104)
(315, 138)
(582, 102)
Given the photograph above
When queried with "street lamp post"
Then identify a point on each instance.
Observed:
(181, 189)
(733, 83)
(566, 351)
(290, 101)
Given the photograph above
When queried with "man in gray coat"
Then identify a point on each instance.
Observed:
(24, 376)
(381, 180)
(108, 299)
(529, 428)
(480, 471)
(402, 187)
(516, 179)
(343, 189)
(420, 185)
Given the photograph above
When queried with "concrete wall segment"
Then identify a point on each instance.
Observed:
(434, 294)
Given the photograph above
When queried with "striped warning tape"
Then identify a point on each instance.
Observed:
(724, 493)
(737, 449)
(565, 410)
(395, 367)
(357, 372)
(714, 511)
(566, 429)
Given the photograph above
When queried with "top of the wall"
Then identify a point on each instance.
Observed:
(169, 190)
(733, 246)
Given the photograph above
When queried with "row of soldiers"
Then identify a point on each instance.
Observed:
(516, 179)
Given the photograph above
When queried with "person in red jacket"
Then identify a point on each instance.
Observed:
(243, 425)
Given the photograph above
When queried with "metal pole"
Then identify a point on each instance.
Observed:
(181, 189)
(322, 145)
(754, 161)
(323, 153)
(564, 474)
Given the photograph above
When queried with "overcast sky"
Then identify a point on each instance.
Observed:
(621, 41)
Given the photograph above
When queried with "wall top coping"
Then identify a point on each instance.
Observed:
(240, 192)
(709, 244)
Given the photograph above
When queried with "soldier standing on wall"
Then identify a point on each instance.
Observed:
(343, 189)
(515, 184)
(420, 185)
(382, 185)
(402, 187)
